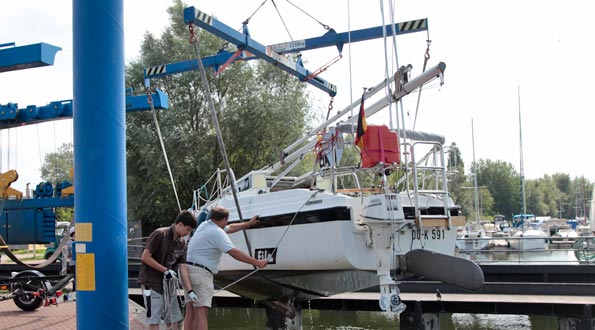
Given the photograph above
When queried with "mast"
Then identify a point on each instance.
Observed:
(523, 200)
(592, 212)
(475, 192)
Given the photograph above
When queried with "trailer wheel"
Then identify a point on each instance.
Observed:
(23, 291)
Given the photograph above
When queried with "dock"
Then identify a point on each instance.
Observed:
(564, 290)
(56, 317)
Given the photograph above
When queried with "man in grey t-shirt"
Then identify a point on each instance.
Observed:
(205, 249)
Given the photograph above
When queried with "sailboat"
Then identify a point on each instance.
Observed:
(473, 236)
(345, 227)
(527, 234)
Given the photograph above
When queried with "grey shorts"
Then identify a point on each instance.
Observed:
(202, 284)
(154, 308)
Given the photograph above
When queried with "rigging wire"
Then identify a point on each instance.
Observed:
(39, 146)
(171, 177)
(426, 58)
(282, 20)
(401, 129)
(349, 52)
(8, 150)
(326, 27)
(220, 142)
(247, 20)
(16, 148)
(387, 90)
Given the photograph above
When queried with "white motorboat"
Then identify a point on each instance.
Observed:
(472, 238)
(530, 239)
(527, 235)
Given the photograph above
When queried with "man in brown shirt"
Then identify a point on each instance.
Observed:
(165, 250)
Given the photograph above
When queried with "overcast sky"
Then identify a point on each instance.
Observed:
(490, 49)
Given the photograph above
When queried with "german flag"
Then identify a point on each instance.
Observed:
(361, 125)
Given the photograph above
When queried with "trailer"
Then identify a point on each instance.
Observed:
(31, 289)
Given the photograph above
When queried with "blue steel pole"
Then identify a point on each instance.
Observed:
(99, 166)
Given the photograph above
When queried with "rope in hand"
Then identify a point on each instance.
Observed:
(170, 293)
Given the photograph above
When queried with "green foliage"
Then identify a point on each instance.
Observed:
(56, 166)
(260, 110)
(457, 177)
(503, 182)
(499, 191)
(64, 214)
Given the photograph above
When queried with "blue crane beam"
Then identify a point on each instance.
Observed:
(244, 42)
(332, 38)
(25, 57)
(214, 61)
(11, 116)
(274, 53)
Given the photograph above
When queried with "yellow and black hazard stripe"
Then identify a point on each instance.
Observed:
(155, 70)
(418, 24)
(203, 17)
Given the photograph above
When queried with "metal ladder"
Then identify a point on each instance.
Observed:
(437, 170)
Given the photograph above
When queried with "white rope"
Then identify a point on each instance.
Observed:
(171, 177)
(170, 292)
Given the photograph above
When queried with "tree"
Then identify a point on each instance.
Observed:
(57, 165)
(457, 178)
(55, 169)
(503, 182)
(260, 109)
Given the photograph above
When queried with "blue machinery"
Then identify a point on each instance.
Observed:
(98, 98)
(28, 221)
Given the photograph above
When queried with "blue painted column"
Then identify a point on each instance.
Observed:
(100, 165)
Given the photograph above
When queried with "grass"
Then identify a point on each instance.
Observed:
(39, 254)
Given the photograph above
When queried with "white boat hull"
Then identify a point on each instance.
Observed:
(320, 243)
(529, 240)
(341, 241)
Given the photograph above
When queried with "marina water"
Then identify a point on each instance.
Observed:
(255, 318)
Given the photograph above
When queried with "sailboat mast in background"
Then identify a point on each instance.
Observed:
(475, 192)
(523, 199)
